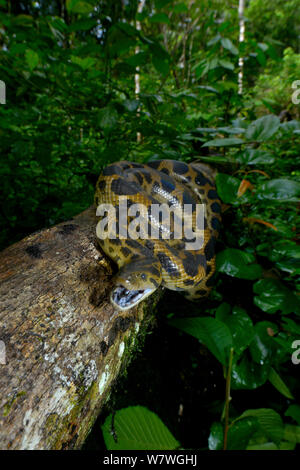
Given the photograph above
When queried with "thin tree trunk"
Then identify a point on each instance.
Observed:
(241, 40)
(140, 7)
(62, 344)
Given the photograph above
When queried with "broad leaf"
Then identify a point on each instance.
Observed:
(238, 263)
(214, 334)
(263, 128)
(269, 421)
(137, 428)
(280, 190)
(228, 141)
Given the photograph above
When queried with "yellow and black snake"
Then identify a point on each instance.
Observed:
(146, 263)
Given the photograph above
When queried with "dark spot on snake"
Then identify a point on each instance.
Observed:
(188, 282)
(168, 264)
(153, 270)
(139, 178)
(208, 270)
(103, 348)
(126, 251)
(150, 245)
(112, 170)
(209, 250)
(201, 179)
(187, 199)
(192, 262)
(180, 167)
(34, 251)
(215, 223)
(154, 164)
(115, 241)
(97, 200)
(212, 194)
(154, 282)
(136, 165)
(215, 207)
(165, 170)
(123, 188)
(147, 177)
(125, 166)
(101, 184)
(167, 185)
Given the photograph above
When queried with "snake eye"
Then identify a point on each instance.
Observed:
(143, 276)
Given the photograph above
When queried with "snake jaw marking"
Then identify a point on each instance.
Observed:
(146, 264)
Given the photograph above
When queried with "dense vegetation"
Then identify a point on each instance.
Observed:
(72, 106)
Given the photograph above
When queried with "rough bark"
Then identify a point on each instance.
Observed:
(63, 344)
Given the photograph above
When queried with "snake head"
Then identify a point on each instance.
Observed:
(133, 284)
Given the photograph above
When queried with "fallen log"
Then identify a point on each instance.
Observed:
(62, 344)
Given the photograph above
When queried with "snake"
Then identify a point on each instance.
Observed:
(146, 263)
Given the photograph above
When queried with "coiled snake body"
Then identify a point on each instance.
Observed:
(146, 263)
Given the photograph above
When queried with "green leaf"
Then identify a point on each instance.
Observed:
(131, 105)
(159, 18)
(279, 384)
(280, 190)
(264, 446)
(273, 296)
(137, 428)
(255, 156)
(32, 58)
(79, 6)
(270, 422)
(226, 65)
(240, 433)
(83, 25)
(85, 62)
(291, 433)
(227, 44)
(247, 375)
(161, 65)
(214, 334)
(294, 412)
(108, 118)
(263, 346)
(228, 141)
(180, 8)
(160, 58)
(263, 128)
(227, 187)
(240, 325)
(215, 439)
(238, 263)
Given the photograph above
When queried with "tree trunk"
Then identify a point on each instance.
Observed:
(62, 344)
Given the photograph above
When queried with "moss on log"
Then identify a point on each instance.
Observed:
(62, 343)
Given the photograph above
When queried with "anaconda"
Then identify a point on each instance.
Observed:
(146, 263)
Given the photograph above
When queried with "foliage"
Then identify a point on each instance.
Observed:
(69, 69)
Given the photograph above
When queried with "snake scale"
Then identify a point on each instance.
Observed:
(146, 263)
